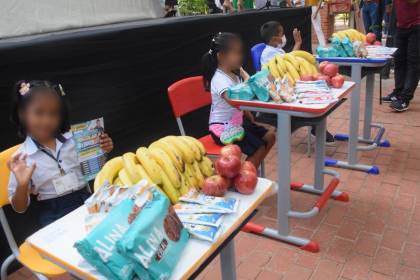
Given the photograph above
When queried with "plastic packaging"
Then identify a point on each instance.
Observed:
(193, 208)
(240, 91)
(211, 219)
(206, 233)
(261, 85)
(348, 47)
(228, 205)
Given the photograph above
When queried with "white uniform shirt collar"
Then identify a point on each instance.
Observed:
(29, 147)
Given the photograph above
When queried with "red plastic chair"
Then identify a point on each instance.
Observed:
(186, 96)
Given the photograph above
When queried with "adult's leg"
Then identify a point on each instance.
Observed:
(400, 60)
(366, 17)
(373, 15)
(412, 62)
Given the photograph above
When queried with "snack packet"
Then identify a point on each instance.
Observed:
(207, 219)
(194, 208)
(287, 93)
(240, 91)
(261, 85)
(155, 239)
(202, 232)
(229, 205)
(347, 46)
(98, 247)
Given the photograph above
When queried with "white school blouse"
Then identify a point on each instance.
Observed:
(47, 168)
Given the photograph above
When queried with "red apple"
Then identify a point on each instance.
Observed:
(331, 69)
(337, 81)
(370, 38)
(231, 149)
(247, 165)
(215, 185)
(306, 78)
(245, 182)
(323, 77)
(378, 43)
(322, 65)
(228, 166)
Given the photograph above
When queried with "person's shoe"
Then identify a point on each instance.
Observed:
(399, 105)
(389, 98)
(329, 138)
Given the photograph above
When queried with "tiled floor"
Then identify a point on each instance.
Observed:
(374, 236)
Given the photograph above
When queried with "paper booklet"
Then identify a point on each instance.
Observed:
(91, 156)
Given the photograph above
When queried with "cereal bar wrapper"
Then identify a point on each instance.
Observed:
(155, 239)
(194, 208)
(207, 233)
(228, 205)
(210, 219)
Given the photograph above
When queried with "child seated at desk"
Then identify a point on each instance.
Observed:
(272, 33)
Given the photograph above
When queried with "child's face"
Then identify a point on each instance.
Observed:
(277, 39)
(42, 116)
(233, 57)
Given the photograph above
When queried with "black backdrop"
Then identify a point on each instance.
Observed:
(122, 72)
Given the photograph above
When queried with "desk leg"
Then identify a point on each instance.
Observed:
(283, 171)
(227, 261)
(356, 75)
(368, 106)
(320, 155)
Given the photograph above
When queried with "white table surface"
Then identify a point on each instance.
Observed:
(55, 241)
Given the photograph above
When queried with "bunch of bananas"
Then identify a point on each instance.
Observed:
(174, 163)
(293, 65)
(352, 34)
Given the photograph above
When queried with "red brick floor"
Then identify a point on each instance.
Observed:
(374, 236)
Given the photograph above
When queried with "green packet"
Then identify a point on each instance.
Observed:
(261, 85)
(155, 239)
(98, 247)
(240, 91)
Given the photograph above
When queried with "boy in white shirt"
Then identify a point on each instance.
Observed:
(272, 33)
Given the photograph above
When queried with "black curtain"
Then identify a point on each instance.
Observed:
(122, 72)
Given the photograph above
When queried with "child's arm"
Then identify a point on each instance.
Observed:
(23, 175)
(298, 39)
(106, 143)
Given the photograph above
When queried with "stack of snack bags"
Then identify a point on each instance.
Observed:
(314, 92)
(137, 233)
(202, 215)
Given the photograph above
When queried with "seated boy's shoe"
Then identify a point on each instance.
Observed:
(389, 98)
(399, 105)
(329, 138)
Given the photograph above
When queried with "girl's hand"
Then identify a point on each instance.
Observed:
(244, 74)
(23, 172)
(106, 143)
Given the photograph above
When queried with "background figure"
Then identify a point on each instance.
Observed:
(369, 10)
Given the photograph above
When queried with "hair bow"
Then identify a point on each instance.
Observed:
(24, 88)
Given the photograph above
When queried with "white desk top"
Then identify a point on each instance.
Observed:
(338, 93)
(55, 241)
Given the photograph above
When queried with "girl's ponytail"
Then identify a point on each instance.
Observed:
(220, 43)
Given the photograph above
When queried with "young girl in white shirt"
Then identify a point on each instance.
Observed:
(221, 70)
(46, 164)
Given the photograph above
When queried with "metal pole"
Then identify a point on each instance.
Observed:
(320, 154)
(368, 106)
(283, 171)
(356, 76)
(227, 261)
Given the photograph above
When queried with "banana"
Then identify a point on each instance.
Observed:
(273, 68)
(98, 181)
(206, 167)
(290, 78)
(125, 179)
(184, 185)
(197, 153)
(280, 63)
(173, 153)
(117, 182)
(198, 175)
(339, 35)
(130, 161)
(304, 66)
(198, 144)
(167, 165)
(314, 70)
(169, 189)
(149, 164)
(363, 37)
(292, 59)
(190, 174)
(144, 174)
(305, 55)
(292, 71)
(184, 150)
(111, 168)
